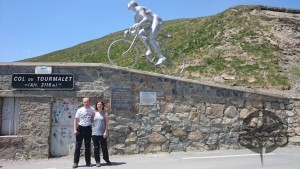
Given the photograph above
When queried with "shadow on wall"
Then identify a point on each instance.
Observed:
(263, 130)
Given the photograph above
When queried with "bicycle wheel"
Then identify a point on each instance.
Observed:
(174, 64)
(120, 53)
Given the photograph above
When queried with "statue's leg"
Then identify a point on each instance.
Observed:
(145, 41)
(155, 28)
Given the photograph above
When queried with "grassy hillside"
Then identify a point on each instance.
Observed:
(235, 47)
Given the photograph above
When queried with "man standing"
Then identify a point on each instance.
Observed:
(148, 25)
(83, 131)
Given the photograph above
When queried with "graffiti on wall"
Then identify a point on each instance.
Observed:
(64, 111)
(62, 137)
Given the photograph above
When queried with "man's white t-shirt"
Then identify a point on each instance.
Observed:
(85, 116)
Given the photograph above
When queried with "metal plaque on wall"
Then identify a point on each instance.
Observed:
(148, 98)
(27, 81)
(121, 98)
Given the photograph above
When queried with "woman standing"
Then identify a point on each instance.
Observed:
(100, 132)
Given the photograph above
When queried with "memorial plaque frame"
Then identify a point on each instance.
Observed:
(148, 98)
(121, 98)
(31, 81)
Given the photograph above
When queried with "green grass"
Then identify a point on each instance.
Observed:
(216, 63)
(201, 41)
(279, 80)
(247, 69)
(197, 68)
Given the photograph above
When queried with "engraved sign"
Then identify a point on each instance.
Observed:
(27, 81)
(148, 98)
(121, 98)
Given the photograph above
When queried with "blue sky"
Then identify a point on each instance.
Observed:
(30, 28)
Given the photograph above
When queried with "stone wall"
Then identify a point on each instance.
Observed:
(188, 115)
(193, 117)
(34, 126)
(32, 140)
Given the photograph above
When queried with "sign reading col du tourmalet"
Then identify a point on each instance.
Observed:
(27, 81)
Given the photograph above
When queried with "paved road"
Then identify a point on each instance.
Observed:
(281, 158)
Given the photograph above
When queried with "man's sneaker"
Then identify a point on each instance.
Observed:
(75, 165)
(160, 60)
(98, 165)
(89, 165)
(108, 163)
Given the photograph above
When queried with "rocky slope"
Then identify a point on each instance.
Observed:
(281, 28)
(285, 33)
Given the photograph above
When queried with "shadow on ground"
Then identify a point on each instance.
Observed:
(103, 164)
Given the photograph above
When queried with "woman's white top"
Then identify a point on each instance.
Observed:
(99, 123)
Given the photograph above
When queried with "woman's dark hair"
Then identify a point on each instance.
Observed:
(103, 105)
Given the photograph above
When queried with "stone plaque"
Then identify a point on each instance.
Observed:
(43, 70)
(148, 98)
(121, 98)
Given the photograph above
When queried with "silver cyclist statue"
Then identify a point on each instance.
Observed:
(148, 25)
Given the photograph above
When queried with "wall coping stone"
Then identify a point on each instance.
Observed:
(267, 92)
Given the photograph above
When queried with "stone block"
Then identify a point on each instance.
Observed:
(157, 138)
(131, 138)
(179, 132)
(132, 149)
(295, 139)
(231, 112)
(195, 136)
(153, 148)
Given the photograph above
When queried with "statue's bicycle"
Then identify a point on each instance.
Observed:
(124, 52)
